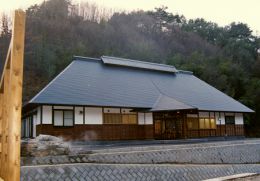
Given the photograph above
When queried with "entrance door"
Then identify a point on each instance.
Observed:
(169, 128)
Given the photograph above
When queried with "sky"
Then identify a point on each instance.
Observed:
(222, 12)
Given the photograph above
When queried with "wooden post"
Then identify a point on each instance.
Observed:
(16, 84)
(11, 102)
(1, 129)
(5, 106)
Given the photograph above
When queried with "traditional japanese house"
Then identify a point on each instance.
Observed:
(111, 98)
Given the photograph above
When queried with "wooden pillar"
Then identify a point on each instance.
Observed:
(15, 101)
(199, 124)
(5, 106)
(184, 126)
(1, 126)
(1, 120)
(11, 102)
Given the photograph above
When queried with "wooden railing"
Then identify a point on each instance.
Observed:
(11, 102)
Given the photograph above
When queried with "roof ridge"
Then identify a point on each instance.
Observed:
(185, 72)
(138, 61)
(76, 57)
(138, 64)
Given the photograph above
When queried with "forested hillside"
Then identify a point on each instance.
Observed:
(226, 57)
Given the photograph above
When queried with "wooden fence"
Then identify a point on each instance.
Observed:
(11, 102)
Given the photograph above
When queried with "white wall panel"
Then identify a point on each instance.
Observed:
(46, 114)
(79, 115)
(111, 110)
(125, 111)
(93, 115)
(203, 114)
(34, 124)
(63, 107)
(229, 114)
(220, 118)
(192, 115)
(38, 115)
(148, 118)
(239, 118)
(211, 114)
(141, 118)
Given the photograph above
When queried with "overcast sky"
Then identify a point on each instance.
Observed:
(220, 11)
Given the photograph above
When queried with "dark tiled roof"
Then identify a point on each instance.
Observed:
(92, 82)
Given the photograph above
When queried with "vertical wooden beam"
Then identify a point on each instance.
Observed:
(84, 119)
(1, 129)
(15, 101)
(5, 106)
(225, 124)
(199, 124)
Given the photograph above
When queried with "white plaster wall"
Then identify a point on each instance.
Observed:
(126, 111)
(192, 115)
(46, 114)
(148, 118)
(203, 114)
(239, 118)
(34, 125)
(220, 118)
(229, 114)
(79, 115)
(93, 115)
(211, 114)
(141, 118)
(63, 107)
(38, 121)
(111, 110)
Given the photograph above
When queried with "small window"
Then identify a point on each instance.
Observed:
(58, 118)
(206, 123)
(125, 116)
(129, 119)
(193, 123)
(230, 120)
(112, 118)
(63, 118)
(68, 118)
(213, 123)
(202, 123)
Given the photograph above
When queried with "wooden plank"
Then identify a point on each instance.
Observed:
(1, 120)
(5, 101)
(15, 101)
(1, 128)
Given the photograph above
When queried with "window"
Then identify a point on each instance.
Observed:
(193, 123)
(58, 118)
(204, 122)
(207, 123)
(230, 119)
(213, 123)
(125, 117)
(114, 118)
(68, 118)
(63, 117)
